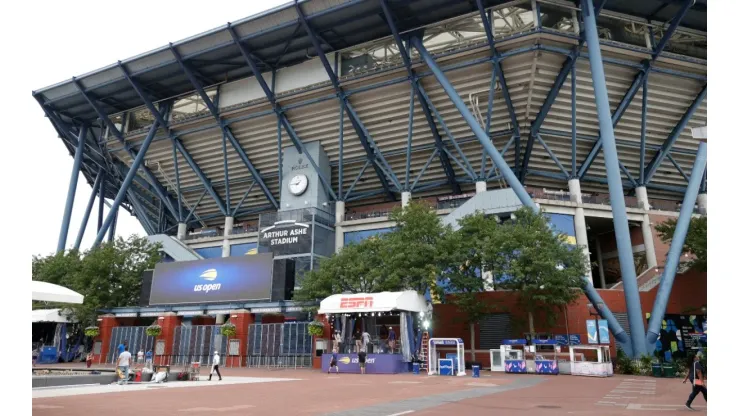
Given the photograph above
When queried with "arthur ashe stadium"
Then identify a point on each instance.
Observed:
(289, 134)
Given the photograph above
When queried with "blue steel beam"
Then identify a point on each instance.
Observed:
(72, 189)
(616, 192)
(552, 156)
(177, 181)
(371, 148)
(141, 213)
(159, 189)
(674, 253)
(349, 191)
(652, 167)
(678, 167)
(226, 175)
(241, 201)
(626, 184)
(639, 80)
(506, 171)
(643, 129)
(341, 151)
(424, 169)
(127, 182)
(408, 140)
(101, 201)
(573, 127)
(192, 211)
(277, 109)
(112, 228)
(499, 71)
(88, 209)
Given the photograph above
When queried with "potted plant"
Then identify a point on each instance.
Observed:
(154, 330)
(92, 331)
(228, 330)
(316, 328)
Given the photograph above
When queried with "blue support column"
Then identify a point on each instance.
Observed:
(674, 253)
(226, 175)
(616, 192)
(408, 140)
(573, 124)
(643, 129)
(652, 167)
(101, 201)
(341, 151)
(126, 184)
(79, 150)
(177, 181)
(88, 210)
(112, 228)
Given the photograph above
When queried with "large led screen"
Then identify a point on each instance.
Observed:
(228, 279)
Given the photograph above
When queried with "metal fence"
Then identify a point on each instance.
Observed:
(197, 343)
(286, 345)
(135, 337)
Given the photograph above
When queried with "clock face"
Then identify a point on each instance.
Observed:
(298, 184)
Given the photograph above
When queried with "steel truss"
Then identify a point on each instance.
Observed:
(410, 51)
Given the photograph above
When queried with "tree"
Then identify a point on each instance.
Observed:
(414, 255)
(534, 261)
(694, 245)
(358, 268)
(464, 252)
(107, 276)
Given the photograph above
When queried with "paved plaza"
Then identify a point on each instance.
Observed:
(308, 392)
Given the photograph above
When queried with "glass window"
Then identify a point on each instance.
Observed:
(210, 252)
(243, 249)
(355, 237)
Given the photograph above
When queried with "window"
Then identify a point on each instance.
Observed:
(210, 252)
(355, 237)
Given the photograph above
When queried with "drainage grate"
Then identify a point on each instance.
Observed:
(544, 406)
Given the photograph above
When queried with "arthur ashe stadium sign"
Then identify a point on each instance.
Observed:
(286, 237)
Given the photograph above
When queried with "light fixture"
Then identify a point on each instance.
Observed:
(425, 324)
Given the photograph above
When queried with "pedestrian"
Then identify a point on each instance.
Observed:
(89, 359)
(358, 340)
(698, 380)
(122, 347)
(149, 359)
(391, 339)
(140, 357)
(365, 340)
(361, 357)
(214, 367)
(337, 340)
(123, 364)
(334, 362)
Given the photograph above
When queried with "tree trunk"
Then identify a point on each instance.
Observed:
(472, 342)
(531, 324)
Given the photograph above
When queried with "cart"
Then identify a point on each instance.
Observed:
(194, 371)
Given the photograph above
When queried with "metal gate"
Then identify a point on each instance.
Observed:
(136, 338)
(197, 343)
(286, 345)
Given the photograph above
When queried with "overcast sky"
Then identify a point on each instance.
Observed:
(52, 42)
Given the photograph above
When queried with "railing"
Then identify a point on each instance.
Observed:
(380, 213)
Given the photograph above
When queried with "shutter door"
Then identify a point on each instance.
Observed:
(494, 328)
(624, 321)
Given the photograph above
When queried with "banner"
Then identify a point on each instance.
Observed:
(681, 335)
(286, 237)
(603, 335)
(228, 279)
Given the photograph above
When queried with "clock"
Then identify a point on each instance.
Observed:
(298, 184)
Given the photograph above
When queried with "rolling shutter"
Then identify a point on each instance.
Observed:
(494, 328)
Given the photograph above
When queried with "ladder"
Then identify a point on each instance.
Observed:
(424, 354)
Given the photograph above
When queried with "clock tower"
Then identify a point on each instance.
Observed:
(301, 186)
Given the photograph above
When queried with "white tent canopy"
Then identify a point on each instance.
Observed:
(408, 301)
(48, 315)
(48, 292)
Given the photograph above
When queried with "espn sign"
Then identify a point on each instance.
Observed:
(356, 302)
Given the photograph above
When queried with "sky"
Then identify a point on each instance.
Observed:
(51, 43)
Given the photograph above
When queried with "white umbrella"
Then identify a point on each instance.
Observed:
(48, 292)
(48, 315)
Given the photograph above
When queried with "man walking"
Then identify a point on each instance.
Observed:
(333, 363)
(698, 381)
(216, 362)
(123, 364)
(361, 357)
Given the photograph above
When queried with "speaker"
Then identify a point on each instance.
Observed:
(146, 287)
(283, 279)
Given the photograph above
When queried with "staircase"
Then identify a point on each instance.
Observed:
(646, 281)
(174, 248)
(493, 202)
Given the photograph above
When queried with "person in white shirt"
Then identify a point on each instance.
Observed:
(365, 340)
(124, 362)
(216, 362)
(140, 357)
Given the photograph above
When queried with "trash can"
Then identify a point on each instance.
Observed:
(657, 370)
(476, 371)
(669, 370)
(416, 367)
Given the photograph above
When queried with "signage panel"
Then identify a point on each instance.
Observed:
(228, 279)
(286, 237)
(603, 331)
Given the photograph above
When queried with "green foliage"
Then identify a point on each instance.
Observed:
(532, 260)
(154, 330)
(107, 276)
(92, 331)
(228, 330)
(624, 363)
(695, 243)
(316, 328)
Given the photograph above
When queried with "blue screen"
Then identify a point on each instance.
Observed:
(213, 280)
(210, 252)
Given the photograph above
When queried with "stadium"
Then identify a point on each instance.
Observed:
(277, 139)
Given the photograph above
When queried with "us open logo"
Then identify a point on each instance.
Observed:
(209, 275)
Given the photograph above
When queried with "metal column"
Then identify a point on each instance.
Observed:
(674, 254)
(125, 185)
(72, 189)
(88, 209)
(616, 192)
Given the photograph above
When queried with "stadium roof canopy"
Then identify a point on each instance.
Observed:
(277, 39)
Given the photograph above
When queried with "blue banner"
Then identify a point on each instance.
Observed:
(228, 279)
(603, 335)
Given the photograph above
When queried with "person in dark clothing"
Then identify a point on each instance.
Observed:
(333, 362)
(361, 357)
(696, 375)
(358, 340)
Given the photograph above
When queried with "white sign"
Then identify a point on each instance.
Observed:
(190, 313)
(219, 312)
(126, 315)
(150, 314)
